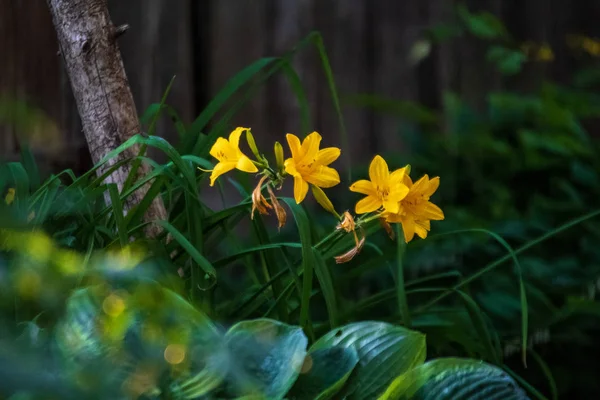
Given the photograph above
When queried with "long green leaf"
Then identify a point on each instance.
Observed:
(307, 261)
(327, 287)
(206, 266)
(117, 208)
(232, 86)
(512, 254)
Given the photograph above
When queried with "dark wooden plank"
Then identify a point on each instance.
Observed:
(156, 47)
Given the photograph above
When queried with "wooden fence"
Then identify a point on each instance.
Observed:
(205, 42)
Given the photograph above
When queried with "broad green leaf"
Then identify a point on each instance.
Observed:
(482, 24)
(508, 61)
(76, 334)
(324, 373)
(265, 357)
(385, 351)
(454, 378)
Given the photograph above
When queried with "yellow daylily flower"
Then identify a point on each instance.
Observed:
(308, 164)
(385, 189)
(416, 211)
(230, 156)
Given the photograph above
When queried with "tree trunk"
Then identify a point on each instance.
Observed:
(88, 45)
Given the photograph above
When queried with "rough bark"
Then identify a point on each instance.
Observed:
(88, 44)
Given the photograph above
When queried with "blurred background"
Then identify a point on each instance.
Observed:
(375, 47)
(498, 97)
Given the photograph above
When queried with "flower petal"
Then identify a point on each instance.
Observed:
(222, 150)
(295, 146)
(363, 186)
(391, 206)
(408, 227)
(310, 146)
(234, 137)
(290, 167)
(246, 165)
(328, 155)
(300, 188)
(397, 177)
(324, 177)
(392, 218)
(407, 181)
(431, 211)
(368, 204)
(432, 186)
(420, 230)
(220, 169)
(397, 192)
(421, 185)
(379, 172)
(425, 224)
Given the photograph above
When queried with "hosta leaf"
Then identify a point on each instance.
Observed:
(324, 373)
(452, 379)
(265, 358)
(77, 334)
(146, 331)
(384, 351)
(172, 331)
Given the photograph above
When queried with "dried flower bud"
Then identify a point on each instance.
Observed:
(350, 254)
(388, 228)
(279, 210)
(258, 201)
(347, 223)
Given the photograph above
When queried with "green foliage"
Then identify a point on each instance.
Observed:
(103, 305)
(508, 61)
(450, 378)
(125, 335)
(483, 24)
(523, 166)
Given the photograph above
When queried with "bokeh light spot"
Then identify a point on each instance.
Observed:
(175, 354)
(113, 305)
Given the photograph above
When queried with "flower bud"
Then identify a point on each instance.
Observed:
(279, 155)
(323, 200)
(252, 144)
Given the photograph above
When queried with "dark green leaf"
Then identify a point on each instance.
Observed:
(266, 358)
(385, 351)
(328, 369)
(455, 378)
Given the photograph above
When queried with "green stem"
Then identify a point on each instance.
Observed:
(327, 238)
(400, 287)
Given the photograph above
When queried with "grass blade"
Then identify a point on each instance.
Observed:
(117, 208)
(192, 140)
(202, 262)
(327, 288)
(307, 262)
(512, 254)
